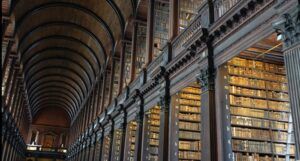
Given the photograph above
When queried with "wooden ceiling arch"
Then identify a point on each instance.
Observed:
(65, 45)
(53, 99)
(52, 80)
(69, 25)
(49, 70)
(61, 96)
(50, 104)
(57, 88)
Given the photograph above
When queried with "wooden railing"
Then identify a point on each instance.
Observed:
(39, 148)
(222, 6)
(156, 63)
(178, 45)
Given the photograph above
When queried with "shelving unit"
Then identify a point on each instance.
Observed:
(131, 130)
(117, 144)
(188, 11)
(261, 123)
(106, 148)
(188, 123)
(152, 133)
(161, 26)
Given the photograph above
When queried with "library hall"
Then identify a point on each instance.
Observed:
(150, 80)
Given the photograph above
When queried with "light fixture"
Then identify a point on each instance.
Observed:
(279, 37)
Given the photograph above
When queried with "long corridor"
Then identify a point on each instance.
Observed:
(150, 80)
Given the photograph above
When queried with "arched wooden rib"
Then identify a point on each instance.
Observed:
(80, 8)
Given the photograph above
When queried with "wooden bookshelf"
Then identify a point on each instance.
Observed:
(152, 133)
(260, 119)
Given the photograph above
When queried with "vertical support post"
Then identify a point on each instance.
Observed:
(103, 90)
(150, 24)
(112, 75)
(174, 22)
(99, 95)
(164, 118)
(289, 27)
(139, 130)
(111, 139)
(89, 142)
(211, 10)
(11, 89)
(101, 143)
(8, 80)
(123, 128)
(95, 101)
(81, 154)
(94, 146)
(133, 51)
(208, 109)
(122, 66)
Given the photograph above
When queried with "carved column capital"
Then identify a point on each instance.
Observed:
(206, 79)
(289, 26)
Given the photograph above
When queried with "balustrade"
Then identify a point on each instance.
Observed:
(222, 6)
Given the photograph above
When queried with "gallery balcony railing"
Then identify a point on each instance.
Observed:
(39, 148)
(39, 151)
(222, 6)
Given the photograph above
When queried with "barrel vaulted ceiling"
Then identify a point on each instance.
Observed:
(64, 45)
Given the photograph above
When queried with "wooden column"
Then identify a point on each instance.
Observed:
(111, 84)
(103, 91)
(101, 143)
(4, 137)
(15, 100)
(92, 97)
(7, 62)
(122, 65)
(95, 101)
(99, 96)
(292, 64)
(139, 129)
(9, 77)
(94, 141)
(133, 51)
(77, 156)
(89, 146)
(289, 26)
(11, 144)
(174, 19)
(123, 128)
(208, 110)
(81, 152)
(21, 111)
(87, 113)
(111, 136)
(90, 109)
(84, 151)
(149, 36)
(11, 88)
(165, 99)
